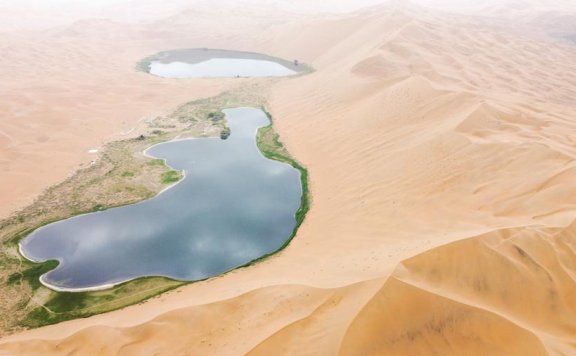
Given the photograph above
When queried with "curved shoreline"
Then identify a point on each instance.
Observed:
(288, 161)
(78, 290)
(106, 285)
(109, 285)
(199, 55)
(186, 121)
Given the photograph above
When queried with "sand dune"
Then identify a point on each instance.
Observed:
(443, 178)
(517, 295)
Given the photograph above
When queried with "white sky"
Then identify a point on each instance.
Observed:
(38, 14)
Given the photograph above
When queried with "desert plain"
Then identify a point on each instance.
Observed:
(440, 145)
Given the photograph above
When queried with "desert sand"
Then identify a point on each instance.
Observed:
(441, 155)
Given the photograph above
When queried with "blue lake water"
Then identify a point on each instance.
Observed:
(234, 206)
(219, 68)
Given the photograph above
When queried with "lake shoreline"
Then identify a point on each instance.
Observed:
(141, 289)
(198, 55)
(262, 151)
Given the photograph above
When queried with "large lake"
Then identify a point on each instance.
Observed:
(214, 63)
(234, 206)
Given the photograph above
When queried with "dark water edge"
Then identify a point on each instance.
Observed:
(213, 260)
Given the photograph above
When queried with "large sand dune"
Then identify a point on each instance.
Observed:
(441, 154)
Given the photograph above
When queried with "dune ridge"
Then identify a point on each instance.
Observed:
(443, 180)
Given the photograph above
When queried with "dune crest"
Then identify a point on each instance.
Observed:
(441, 158)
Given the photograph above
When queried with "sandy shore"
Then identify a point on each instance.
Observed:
(443, 175)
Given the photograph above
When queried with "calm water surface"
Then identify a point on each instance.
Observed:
(233, 206)
(219, 68)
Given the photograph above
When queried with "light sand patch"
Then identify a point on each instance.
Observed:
(441, 157)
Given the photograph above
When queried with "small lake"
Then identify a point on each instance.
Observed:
(211, 63)
(234, 206)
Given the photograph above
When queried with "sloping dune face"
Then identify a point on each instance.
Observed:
(441, 158)
(516, 298)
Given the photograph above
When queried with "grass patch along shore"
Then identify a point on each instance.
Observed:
(171, 177)
(268, 142)
(122, 175)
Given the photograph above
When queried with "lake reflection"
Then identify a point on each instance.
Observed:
(233, 207)
(220, 68)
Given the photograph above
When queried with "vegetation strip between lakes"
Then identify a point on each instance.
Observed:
(126, 175)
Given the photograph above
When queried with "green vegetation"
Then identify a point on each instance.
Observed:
(144, 64)
(121, 175)
(67, 302)
(171, 177)
(31, 274)
(225, 133)
(24, 302)
(155, 162)
(211, 108)
(271, 147)
(63, 306)
(216, 116)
